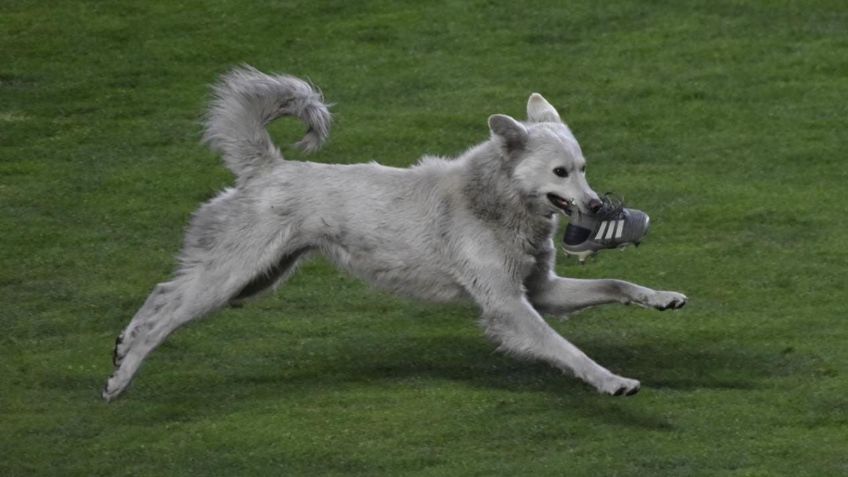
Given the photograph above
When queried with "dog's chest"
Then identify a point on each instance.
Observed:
(532, 250)
(533, 236)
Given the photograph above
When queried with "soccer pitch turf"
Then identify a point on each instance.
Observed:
(725, 121)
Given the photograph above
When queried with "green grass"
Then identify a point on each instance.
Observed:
(725, 120)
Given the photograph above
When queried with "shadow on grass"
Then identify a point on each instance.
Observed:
(474, 361)
(469, 361)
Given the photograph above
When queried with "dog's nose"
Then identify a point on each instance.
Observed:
(595, 205)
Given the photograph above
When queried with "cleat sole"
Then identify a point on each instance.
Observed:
(582, 255)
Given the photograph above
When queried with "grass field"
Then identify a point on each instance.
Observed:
(725, 120)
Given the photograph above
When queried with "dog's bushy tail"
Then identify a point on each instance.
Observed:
(245, 101)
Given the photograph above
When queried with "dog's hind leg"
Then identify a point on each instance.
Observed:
(192, 294)
(226, 258)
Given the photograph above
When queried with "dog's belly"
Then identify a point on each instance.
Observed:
(402, 273)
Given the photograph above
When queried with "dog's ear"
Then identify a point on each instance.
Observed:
(539, 110)
(513, 133)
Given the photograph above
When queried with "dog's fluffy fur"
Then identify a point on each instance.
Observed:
(479, 226)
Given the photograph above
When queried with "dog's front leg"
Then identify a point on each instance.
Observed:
(519, 329)
(557, 295)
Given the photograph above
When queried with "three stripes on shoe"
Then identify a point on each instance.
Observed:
(610, 229)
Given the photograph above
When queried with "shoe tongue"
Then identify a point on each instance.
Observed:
(611, 207)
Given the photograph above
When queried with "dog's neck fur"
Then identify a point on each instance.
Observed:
(493, 197)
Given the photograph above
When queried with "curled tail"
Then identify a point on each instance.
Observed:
(246, 100)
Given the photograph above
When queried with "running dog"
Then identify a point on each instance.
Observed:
(479, 226)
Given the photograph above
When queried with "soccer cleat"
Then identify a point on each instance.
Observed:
(612, 226)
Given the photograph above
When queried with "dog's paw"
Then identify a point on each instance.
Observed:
(114, 386)
(619, 386)
(667, 300)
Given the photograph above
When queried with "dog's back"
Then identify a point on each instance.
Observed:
(394, 228)
(391, 227)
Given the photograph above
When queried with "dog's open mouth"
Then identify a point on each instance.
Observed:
(560, 203)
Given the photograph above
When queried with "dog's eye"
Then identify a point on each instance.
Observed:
(583, 169)
(561, 172)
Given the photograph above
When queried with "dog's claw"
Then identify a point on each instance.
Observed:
(624, 391)
(663, 301)
(116, 360)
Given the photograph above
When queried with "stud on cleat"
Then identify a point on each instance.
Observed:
(581, 255)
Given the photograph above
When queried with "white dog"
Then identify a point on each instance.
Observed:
(479, 226)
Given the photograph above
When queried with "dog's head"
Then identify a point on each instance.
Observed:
(549, 167)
